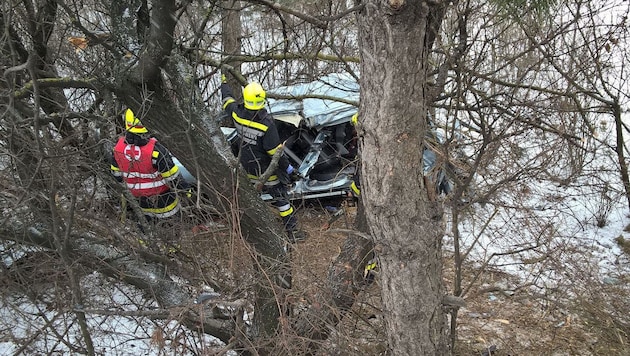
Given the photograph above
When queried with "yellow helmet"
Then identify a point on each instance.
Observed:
(254, 96)
(133, 124)
(355, 119)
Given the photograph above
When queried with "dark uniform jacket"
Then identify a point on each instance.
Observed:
(258, 135)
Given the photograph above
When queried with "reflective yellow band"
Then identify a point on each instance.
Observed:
(286, 212)
(227, 102)
(355, 189)
(254, 179)
(172, 172)
(250, 123)
(272, 152)
(164, 212)
(370, 266)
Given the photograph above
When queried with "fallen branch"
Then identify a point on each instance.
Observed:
(273, 166)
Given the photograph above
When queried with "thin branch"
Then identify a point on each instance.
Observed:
(26, 90)
(271, 169)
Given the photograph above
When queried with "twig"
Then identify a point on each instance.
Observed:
(273, 166)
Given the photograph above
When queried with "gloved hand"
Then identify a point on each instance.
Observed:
(189, 193)
(290, 169)
(223, 78)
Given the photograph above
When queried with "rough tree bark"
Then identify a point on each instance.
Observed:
(231, 36)
(620, 150)
(395, 38)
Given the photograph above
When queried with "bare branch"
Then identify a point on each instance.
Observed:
(319, 22)
(55, 83)
(149, 277)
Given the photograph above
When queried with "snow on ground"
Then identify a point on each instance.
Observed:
(31, 323)
(557, 242)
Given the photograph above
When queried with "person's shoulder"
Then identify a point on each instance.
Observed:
(157, 143)
(163, 149)
(231, 105)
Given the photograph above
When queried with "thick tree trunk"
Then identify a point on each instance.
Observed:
(402, 220)
(231, 36)
(620, 148)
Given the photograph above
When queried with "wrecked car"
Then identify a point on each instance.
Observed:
(320, 141)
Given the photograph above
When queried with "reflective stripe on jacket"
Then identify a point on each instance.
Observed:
(136, 165)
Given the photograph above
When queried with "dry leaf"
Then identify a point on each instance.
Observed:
(79, 43)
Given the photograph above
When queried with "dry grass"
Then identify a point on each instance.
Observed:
(524, 322)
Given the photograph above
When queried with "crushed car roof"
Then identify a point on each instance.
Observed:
(317, 110)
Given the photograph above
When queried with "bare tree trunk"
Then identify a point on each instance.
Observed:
(267, 313)
(620, 148)
(231, 27)
(403, 222)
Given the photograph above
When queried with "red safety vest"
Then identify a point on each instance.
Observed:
(136, 165)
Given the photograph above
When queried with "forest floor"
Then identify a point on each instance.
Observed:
(502, 316)
(495, 321)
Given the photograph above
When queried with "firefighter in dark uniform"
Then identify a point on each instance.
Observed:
(259, 140)
(356, 179)
(147, 169)
(370, 268)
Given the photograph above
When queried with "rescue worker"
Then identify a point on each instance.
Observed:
(356, 183)
(147, 169)
(259, 141)
(371, 267)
